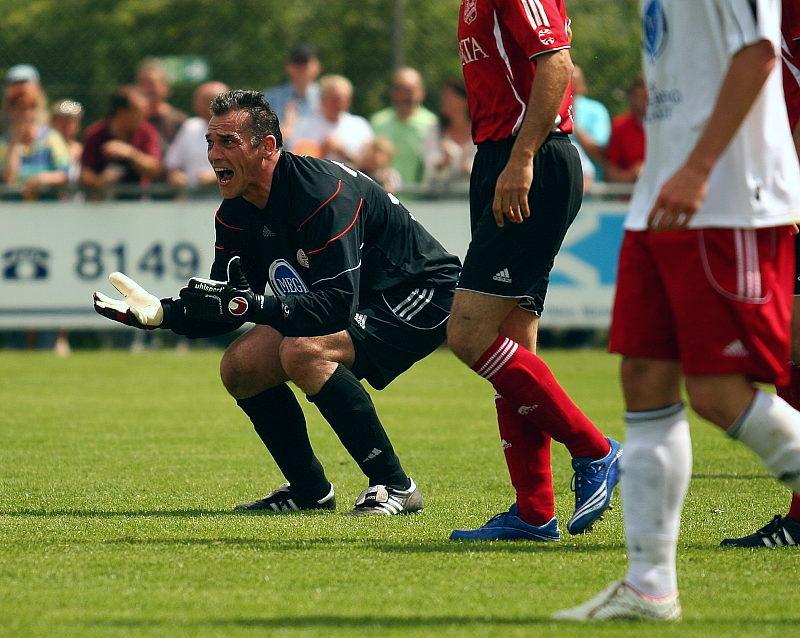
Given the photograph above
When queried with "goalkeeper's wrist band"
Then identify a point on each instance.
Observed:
(265, 310)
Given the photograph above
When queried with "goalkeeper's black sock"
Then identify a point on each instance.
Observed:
(278, 419)
(345, 404)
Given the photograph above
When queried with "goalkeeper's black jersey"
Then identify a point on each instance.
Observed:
(328, 236)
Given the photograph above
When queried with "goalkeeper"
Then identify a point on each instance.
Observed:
(360, 290)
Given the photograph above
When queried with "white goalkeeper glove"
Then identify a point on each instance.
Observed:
(139, 308)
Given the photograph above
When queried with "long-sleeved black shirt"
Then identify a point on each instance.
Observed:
(327, 236)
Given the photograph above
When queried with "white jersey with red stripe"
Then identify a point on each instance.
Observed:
(687, 49)
(499, 41)
(790, 47)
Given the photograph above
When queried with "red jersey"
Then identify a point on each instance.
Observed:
(790, 30)
(145, 139)
(626, 146)
(498, 41)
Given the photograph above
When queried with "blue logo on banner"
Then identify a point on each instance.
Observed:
(654, 29)
(285, 280)
(25, 263)
(596, 250)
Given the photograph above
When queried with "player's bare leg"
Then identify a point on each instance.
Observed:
(481, 332)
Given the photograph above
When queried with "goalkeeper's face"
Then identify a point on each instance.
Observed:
(237, 163)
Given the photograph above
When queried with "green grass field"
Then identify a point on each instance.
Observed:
(118, 474)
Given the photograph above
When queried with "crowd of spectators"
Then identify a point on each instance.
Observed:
(144, 140)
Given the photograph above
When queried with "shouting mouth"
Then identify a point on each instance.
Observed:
(224, 176)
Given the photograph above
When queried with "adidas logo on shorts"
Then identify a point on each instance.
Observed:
(503, 276)
(361, 320)
(735, 349)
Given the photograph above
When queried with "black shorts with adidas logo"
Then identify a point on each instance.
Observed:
(515, 261)
(393, 330)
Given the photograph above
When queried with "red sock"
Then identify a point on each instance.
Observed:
(527, 453)
(791, 394)
(523, 379)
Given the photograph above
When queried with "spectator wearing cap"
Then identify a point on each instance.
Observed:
(66, 117)
(33, 156)
(592, 123)
(153, 82)
(20, 73)
(124, 147)
(626, 147)
(333, 133)
(186, 160)
(406, 123)
(299, 97)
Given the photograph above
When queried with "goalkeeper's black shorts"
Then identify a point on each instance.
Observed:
(393, 330)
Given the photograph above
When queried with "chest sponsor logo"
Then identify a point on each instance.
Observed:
(285, 280)
(546, 36)
(654, 29)
(470, 11)
(470, 50)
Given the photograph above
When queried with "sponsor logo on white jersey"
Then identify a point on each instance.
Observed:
(503, 276)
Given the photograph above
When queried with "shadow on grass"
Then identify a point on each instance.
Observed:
(436, 546)
(733, 477)
(417, 621)
(188, 513)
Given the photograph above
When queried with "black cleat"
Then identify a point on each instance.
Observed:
(779, 532)
(283, 501)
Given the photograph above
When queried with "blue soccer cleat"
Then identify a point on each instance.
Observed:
(507, 526)
(593, 483)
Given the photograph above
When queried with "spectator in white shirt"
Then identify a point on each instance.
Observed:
(186, 160)
(333, 133)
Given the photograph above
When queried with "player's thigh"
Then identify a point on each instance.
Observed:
(251, 364)
(333, 348)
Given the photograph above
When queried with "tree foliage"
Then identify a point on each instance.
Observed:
(85, 48)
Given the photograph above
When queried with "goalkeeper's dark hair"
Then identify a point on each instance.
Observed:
(263, 120)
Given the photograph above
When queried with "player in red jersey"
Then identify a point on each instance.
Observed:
(525, 192)
(784, 531)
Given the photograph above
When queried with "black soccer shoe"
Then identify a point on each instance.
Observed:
(283, 501)
(385, 500)
(779, 532)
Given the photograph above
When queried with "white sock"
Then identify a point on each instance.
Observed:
(771, 428)
(656, 468)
